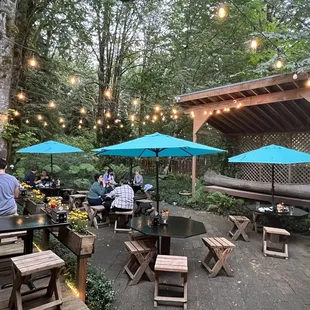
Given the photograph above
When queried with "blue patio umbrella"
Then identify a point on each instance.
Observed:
(50, 147)
(272, 154)
(157, 145)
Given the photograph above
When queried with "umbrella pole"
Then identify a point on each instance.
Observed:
(157, 183)
(272, 187)
(51, 167)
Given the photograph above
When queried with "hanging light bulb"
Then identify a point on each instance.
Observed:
(295, 76)
(27, 121)
(157, 107)
(83, 110)
(279, 64)
(308, 82)
(108, 93)
(16, 113)
(79, 126)
(80, 121)
(147, 116)
(94, 127)
(63, 125)
(121, 125)
(45, 124)
(171, 116)
(176, 117)
(205, 112)
(73, 80)
(211, 112)
(192, 114)
(61, 120)
(218, 112)
(135, 101)
(32, 62)
(163, 118)
(108, 126)
(155, 117)
(253, 45)
(143, 123)
(108, 115)
(174, 111)
(99, 122)
(132, 125)
(222, 11)
(40, 117)
(21, 96)
(132, 117)
(52, 104)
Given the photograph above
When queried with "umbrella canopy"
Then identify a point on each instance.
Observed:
(50, 147)
(157, 145)
(272, 154)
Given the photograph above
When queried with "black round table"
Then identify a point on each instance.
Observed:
(273, 218)
(177, 227)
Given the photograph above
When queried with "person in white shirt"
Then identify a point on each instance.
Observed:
(123, 198)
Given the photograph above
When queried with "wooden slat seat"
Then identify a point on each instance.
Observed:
(128, 215)
(219, 250)
(175, 264)
(239, 225)
(137, 236)
(17, 234)
(76, 201)
(140, 257)
(26, 265)
(275, 236)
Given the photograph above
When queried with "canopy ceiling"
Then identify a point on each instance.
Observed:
(272, 104)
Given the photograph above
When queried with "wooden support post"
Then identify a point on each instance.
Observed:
(45, 239)
(194, 168)
(81, 276)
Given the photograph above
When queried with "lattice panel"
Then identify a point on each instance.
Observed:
(283, 173)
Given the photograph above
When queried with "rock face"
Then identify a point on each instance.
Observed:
(8, 31)
(289, 190)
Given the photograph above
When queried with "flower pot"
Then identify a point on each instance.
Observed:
(78, 244)
(34, 208)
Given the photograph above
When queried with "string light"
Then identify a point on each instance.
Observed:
(222, 11)
(153, 121)
(16, 113)
(157, 108)
(121, 125)
(147, 116)
(135, 101)
(40, 117)
(308, 82)
(73, 80)
(176, 117)
(211, 113)
(132, 117)
(52, 104)
(254, 44)
(117, 121)
(45, 124)
(32, 62)
(27, 121)
(218, 111)
(80, 121)
(279, 64)
(295, 76)
(61, 120)
(192, 114)
(63, 125)
(108, 126)
(155, 117)
(94, 127)
(143, 123)
(205, 112)
(21, 96)
(79, 126)
(99, 122)
(174, 111)
(108, 115)
(239, 105)
(83, 110)
(108, 93)
(132, 125)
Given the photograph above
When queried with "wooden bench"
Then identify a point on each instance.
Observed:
(93, 212)
(281, 237)
(119, 214)
(239, 225)
(219, 250)
(169, 263)
(76, 200)
(11, 237)
(141, 256)
(26, 265)
(137, 236)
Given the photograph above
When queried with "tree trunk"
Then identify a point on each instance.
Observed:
(8, 31)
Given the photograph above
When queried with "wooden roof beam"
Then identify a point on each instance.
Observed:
(291, 115)
(245, 112)
(244, 86)
(228, 122)
(288, 95)
(253, 126)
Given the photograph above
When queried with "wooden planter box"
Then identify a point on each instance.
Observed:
(78, 244)
(34, 208)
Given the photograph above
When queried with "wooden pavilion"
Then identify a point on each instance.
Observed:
(271, 110)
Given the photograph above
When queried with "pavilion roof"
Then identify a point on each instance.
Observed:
(273, 104)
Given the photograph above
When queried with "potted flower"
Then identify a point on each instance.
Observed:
(76, 237)
(35, 202)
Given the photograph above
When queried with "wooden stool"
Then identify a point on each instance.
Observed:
(82, 192)
(119, 214)
(219, 249)
(141, 255)
(169, 263)
(93, 212)
(11, 237)
(281, 236)
(240, 223)
(26, 265)
(76, 200)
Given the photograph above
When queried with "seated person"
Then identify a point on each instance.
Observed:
(9, 189)
(45, 179)
(138, 179)
(108, 178)
(30, 177)
(96, 191)
(123, 198)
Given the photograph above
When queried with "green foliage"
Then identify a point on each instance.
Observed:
(82, 183)
(56, 168)
(224, 204)
(121, 171)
